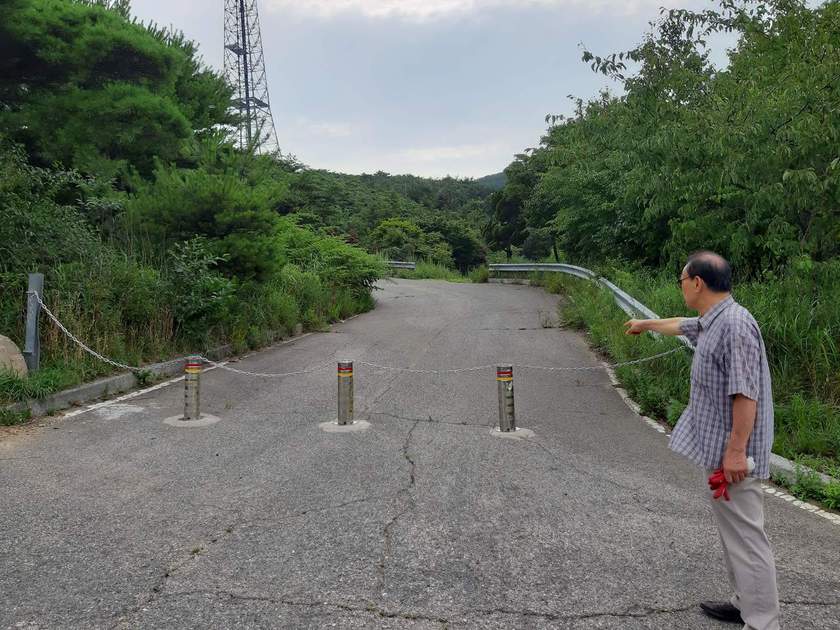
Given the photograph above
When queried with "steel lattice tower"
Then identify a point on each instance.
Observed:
(245, 70)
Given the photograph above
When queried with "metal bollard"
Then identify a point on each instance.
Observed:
(504, 378)
(345, 392)
(192, 374)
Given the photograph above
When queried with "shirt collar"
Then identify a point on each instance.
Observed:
(707, 319)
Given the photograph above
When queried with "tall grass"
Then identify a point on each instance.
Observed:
(136, 314)
(800, 322)
(426, 270)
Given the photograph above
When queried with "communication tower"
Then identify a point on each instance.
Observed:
(245, 70)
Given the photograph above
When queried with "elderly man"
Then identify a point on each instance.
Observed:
(729, 418)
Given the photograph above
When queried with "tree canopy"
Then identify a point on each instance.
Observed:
(742, 160)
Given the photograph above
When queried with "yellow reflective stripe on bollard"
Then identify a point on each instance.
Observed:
(504, 375)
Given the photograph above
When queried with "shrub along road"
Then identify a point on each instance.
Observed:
(113, 519)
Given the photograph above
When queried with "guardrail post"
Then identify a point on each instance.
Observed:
(192, 376)
(32, 341)
(504, 379)
(345, 392)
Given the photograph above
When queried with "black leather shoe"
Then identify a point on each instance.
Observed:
(723, 611)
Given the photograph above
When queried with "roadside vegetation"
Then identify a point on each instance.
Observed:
(156, 235)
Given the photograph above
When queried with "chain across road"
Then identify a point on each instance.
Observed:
(80, 343)
(223, 366)
(376, 366)
(523, 367)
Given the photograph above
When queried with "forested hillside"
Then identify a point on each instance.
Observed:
(118, 181)
(494, 182)
(742, 160)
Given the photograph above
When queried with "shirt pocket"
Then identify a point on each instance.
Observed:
(706, 370)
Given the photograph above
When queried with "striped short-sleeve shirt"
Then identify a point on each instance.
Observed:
(729, 359)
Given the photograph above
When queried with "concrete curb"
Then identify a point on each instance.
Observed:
(107, 386)
(127, 381)
(781, 465)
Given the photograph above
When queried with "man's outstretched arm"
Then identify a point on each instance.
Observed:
(670, 326)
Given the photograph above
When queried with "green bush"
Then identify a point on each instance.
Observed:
(479, 275)
(429, 271)
(141, 294)
(200, 297)
(831, 495)
(233, 217)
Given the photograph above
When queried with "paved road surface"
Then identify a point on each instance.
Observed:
(112, 519)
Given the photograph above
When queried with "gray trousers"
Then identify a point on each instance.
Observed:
(749, 558)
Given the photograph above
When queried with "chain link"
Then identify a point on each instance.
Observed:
(132, 368)
(601, 367)
(320, 367)
(81, 344)
(227, 368)
(416, 371)
(523, 367)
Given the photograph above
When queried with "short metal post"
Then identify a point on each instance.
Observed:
(504, 378)
(32, 341)
(192, 375)
(345, 392)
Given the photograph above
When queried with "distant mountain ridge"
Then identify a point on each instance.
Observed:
(493, 182)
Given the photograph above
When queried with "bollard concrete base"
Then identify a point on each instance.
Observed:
(518, 434)
(204, 421)
(354, 427)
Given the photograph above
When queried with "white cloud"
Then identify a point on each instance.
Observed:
(419, 10)
(332, 130)
(302, 126)
(448, 153)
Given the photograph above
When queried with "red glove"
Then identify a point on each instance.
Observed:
(719, 485)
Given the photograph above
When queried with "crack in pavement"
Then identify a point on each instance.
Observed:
(795, 602)
(386, 531)
(641, 611)
(429, 420)
(361, 607)
(633, 491)
(157, 589)
(372, 608)
(587, 473)
(300, 513)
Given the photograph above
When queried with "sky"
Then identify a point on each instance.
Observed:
(428, 87)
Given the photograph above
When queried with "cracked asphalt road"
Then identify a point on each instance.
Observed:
(112, 519)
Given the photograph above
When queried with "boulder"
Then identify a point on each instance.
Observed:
(11, 359)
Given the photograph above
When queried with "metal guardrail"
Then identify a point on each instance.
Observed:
(580, 272)
(399, 264)
(624, 300)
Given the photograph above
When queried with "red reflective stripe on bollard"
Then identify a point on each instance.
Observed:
(504, 375)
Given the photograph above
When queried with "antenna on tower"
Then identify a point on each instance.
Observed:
(245, 70)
